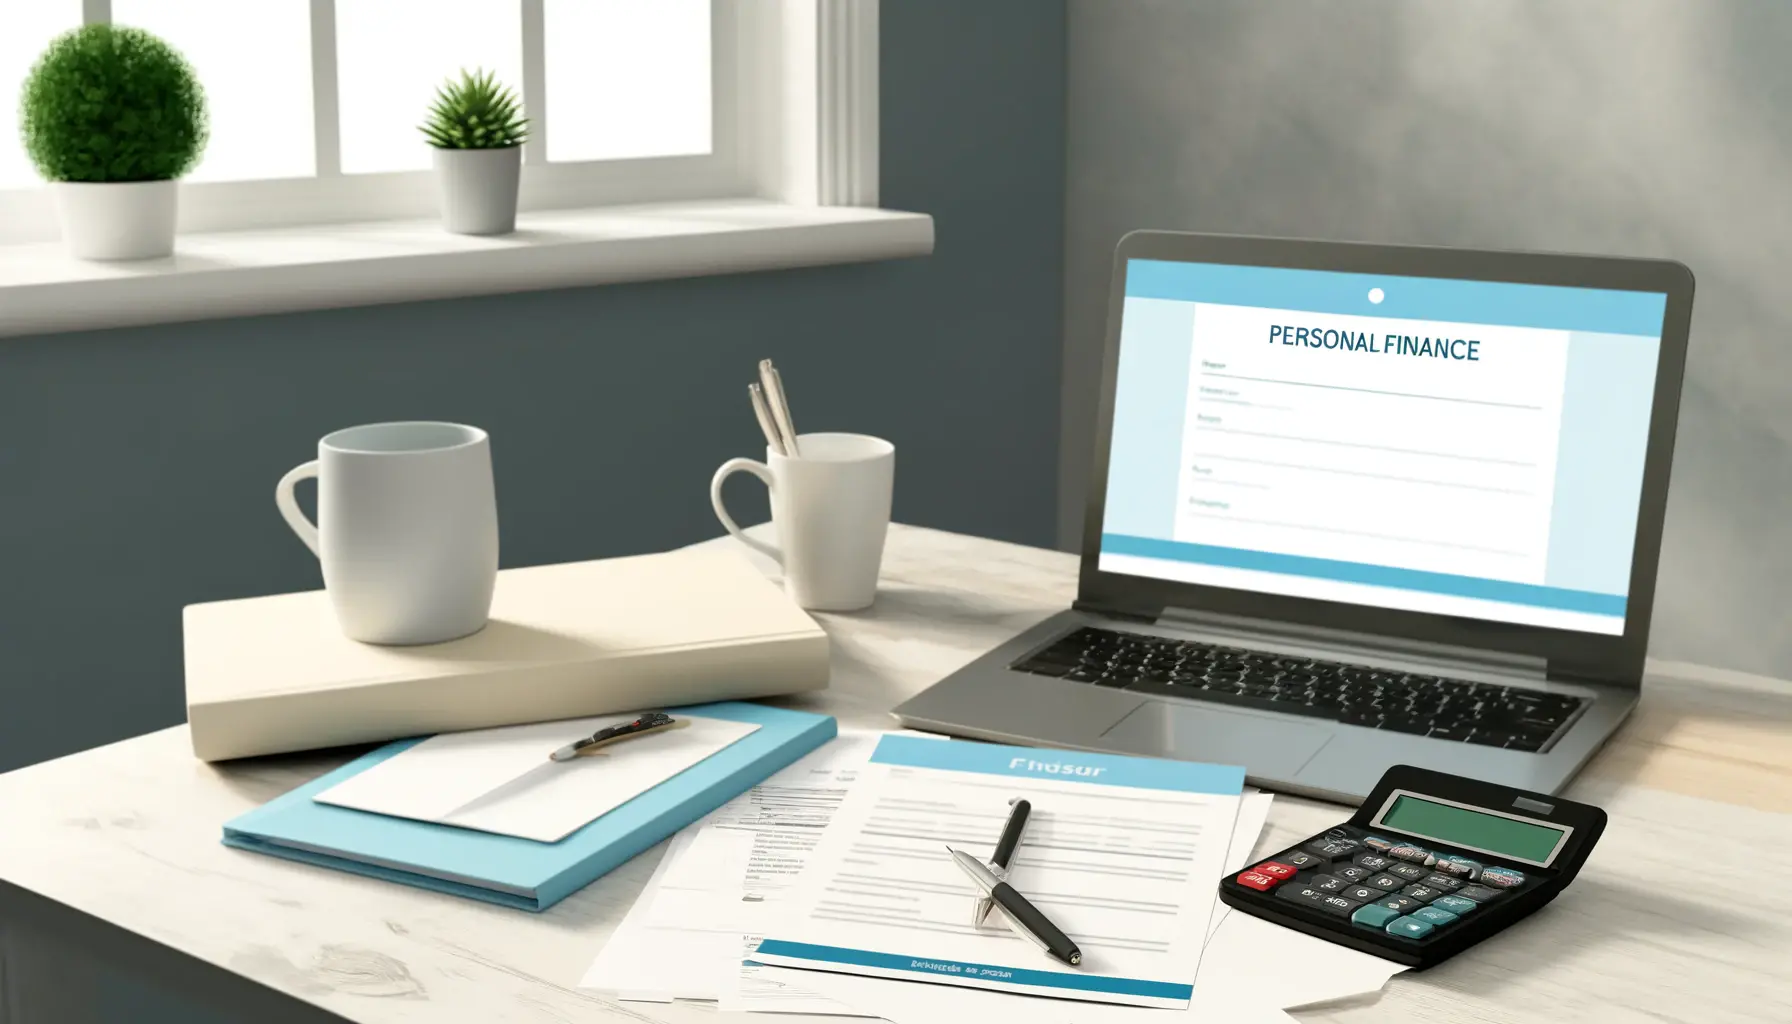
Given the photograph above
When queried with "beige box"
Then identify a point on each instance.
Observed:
(267, 675)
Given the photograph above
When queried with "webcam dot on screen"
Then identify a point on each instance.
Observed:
(1376, 295)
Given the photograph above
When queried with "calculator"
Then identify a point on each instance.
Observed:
(1431, 864)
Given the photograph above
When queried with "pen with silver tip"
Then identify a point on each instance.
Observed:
(1022, 916)
(1000, 862)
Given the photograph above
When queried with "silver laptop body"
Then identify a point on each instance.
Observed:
(1355, 506)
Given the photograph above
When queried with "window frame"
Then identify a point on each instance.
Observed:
(793, 118)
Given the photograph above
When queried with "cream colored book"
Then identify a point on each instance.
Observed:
(267, 675)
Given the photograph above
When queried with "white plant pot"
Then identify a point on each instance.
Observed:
(478, 189)
(121, 220)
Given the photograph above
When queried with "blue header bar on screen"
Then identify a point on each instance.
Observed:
(1064, 765)
(1549, 307)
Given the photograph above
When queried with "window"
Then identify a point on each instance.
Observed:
(669, 138)
(25, 29)
(315, 103)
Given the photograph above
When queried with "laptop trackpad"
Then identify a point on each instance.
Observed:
(1269, 748)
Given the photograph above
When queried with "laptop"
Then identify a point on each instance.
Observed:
(1355, 506)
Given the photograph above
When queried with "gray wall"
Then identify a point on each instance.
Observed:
(137, 466)
(1634, 127)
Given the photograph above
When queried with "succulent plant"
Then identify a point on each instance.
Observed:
(475, 112)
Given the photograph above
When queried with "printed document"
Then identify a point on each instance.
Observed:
(762, 989)
(1123, 854)
(721, 879)
(1243, 975)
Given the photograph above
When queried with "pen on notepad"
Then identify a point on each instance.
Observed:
(653, 721)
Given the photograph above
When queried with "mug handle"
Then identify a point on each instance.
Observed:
(728, 469)
(289, 505)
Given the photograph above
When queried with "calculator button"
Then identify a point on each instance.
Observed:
(1422, 893)
(1460, 866)
(1339, 906)
(1379, 844)
(1351, 873)
(1409, 852)
(1437, 881)
(1374, 915)
(1301, 894)
(1331, 903)
(1258, 881)
(1328, 883)
(1478, 893)
(1363, 893)
(1372, 861)
(1332, 849)
(1275, 870)
(1301, 859)
(1501, 878)
(1401, 903)
(1433, 916)
(1454, 904)
(1410, 872)
(1387, 883)
(1409, 928)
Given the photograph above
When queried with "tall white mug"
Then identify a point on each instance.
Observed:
(831, 508)
(407, 529)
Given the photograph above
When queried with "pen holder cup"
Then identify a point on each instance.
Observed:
(831, 511)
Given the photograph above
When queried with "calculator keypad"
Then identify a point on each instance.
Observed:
(1479, 893)
(1393, 886)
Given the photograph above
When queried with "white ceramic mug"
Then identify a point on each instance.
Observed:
(831, 508)
(407, 529)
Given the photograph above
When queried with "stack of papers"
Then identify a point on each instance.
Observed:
(837, 865)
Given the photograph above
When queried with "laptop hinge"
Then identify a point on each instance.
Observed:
(1111, 613)
(1343, 644)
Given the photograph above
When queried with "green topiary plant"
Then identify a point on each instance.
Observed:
(106, 103)
(475, 113)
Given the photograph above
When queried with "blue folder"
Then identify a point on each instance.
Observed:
(514, 872)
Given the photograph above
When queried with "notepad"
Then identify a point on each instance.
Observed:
(501, 781)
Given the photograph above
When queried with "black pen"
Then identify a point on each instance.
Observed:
(651, 722)
(1018, 812)
(1022, 916)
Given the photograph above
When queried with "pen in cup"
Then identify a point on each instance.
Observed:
(779, 404)
(773, 438)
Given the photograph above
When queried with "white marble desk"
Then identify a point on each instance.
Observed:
(113, 854)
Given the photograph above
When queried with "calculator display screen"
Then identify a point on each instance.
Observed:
(1490, 832)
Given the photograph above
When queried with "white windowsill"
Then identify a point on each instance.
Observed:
(246, 273)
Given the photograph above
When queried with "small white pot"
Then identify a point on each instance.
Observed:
(120, 220)
(478, 189)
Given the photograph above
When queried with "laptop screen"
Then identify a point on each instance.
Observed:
(1463, 448)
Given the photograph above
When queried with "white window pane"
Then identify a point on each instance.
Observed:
(393, 54)
(627, 78)
(26, 27)
(254, 60)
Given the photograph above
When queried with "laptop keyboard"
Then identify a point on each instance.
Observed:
(1447, 709)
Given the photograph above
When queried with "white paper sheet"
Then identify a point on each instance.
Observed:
(760, 989)
(1242, 975)
(721, 879)
(500, 780)
(1123, 853)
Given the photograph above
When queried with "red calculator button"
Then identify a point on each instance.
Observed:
(1275, 870)
(1258, 880)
